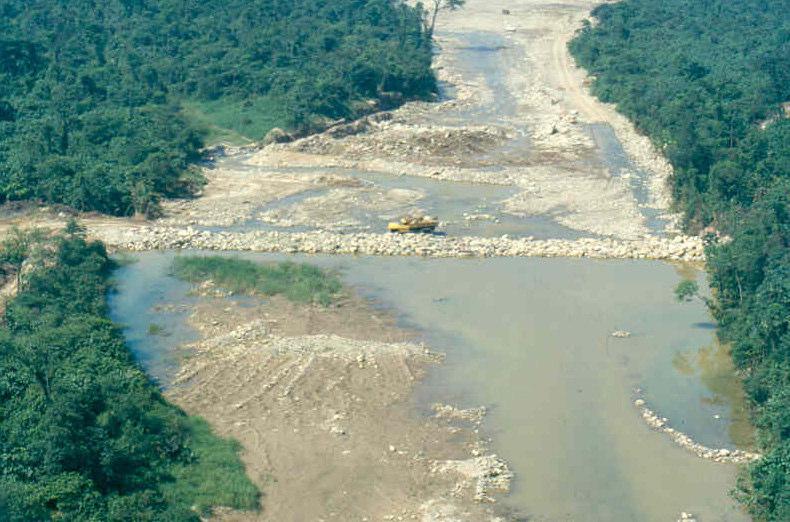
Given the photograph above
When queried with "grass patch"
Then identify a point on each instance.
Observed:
(214, 476)
(235, 121)
(299, 282)
(157, 329)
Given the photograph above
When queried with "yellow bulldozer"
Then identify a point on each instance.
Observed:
(413, 224)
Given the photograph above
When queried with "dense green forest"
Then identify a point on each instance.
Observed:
(105, 104)
(84, 435)
(706, 80)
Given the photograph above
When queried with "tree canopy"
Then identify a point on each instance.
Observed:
(104, 105)
(84, 435)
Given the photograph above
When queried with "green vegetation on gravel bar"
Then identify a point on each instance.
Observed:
(84, 434)
(299, 282)
(709, 82)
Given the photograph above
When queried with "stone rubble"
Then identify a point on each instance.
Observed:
(486, 474)
(661, 424)
(449, 412)
(387, 136)
(142, 238)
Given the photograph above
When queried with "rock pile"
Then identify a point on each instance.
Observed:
(316, 242)
(486, 474)
(387, 137)
(450, 412)
(661, 424)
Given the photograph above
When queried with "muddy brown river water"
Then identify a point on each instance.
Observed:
(530, 339)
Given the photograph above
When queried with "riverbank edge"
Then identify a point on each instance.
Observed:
(654, 420)
(64, 278)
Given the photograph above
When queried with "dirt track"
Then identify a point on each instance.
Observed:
(569, 79)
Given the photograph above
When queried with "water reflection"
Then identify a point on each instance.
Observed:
(713, 366)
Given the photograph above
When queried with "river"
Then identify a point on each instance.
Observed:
(530, 339)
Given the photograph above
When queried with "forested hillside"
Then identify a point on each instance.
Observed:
(104, 105)
(84, 435)
(706, 80)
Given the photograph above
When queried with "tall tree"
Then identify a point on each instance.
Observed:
(432, 13)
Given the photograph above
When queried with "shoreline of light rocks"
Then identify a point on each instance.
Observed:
(661, 424)
(142, 238)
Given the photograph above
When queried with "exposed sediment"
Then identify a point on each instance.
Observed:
(319, 400)
(142, 238)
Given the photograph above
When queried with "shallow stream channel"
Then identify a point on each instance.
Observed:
(466, 209)
(530, 339)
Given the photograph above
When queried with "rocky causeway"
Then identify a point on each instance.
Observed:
(681, 248)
